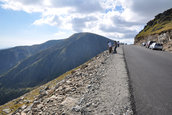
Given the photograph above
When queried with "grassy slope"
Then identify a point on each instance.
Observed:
(149, 31)
(159, 25)
(34, 93)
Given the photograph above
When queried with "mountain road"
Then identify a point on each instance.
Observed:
(150, 74)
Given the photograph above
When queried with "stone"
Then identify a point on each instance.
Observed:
(22, 98)
(95, 105)
(67, 89)
(23, 113)
(84, 66)
(69, 102)
(6, 110)
(26, 101)
(81, 100)
(34, 109)
(60, 88)
(36, 102)
(23, 107)
(47, 88)
(42, 94)
(89, 86)
(40, 106)
(64, 113)
(76, 108)
(28, 108)
(72, 72)
(128, 113)
(102, 62)
(40, 113)
(88, 104)
(53, 97)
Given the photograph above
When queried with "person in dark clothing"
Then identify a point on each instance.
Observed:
(118, 43)
(115, 46)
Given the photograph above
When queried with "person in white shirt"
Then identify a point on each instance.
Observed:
(110, 46)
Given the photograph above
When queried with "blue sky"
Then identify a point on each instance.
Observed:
(27, 22)
(17, 28)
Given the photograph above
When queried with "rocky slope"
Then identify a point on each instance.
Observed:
(159, 29)
(99, 86)
(47, 64)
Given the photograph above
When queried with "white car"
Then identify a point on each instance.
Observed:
(143, 44)
(156, 46)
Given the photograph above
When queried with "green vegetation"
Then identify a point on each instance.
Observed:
(47, 64)
(161, 23)
(34, 92)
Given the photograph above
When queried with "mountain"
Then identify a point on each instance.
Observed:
(159, 29)
(50, 63)
(11, 57)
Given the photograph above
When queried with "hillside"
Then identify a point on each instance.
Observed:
(50, 63)
(159, 29)
(12, 56)
(97, 87)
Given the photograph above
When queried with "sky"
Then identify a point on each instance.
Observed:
(28, 22)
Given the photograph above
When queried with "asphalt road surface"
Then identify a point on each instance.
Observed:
(150, 74)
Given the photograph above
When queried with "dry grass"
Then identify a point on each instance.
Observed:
(155, 29)
(16, 103)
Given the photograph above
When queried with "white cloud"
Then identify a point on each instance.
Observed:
(78, 24)
(117, 19)
(82, 6)
(50, 20)
(149, 8)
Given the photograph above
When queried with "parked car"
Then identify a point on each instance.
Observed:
(149, 43)
(156, 46)
(143, 44)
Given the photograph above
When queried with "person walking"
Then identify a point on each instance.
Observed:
(115, 46)
(118, 43)
(110, 47)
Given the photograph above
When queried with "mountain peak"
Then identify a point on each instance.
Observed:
(47, 64)
(84, 35)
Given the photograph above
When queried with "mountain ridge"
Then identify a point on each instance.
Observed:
(52, 62)
(159, 29)
(19, 53)
(161, 23)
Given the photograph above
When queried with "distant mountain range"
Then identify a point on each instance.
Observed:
(11, 57)
(25, 67)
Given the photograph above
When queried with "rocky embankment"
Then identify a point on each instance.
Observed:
(164, 37)
(98, 87)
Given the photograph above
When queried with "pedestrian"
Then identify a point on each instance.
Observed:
(110, 47)
(118, 43)
(115, 46)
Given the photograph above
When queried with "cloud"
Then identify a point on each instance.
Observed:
(149, 8)
(78, 24)
(50, 20)
(82, 6)
(30, 2)
(125, 33)
(117, 19)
